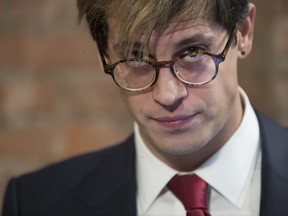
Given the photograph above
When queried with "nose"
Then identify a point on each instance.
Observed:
(168, 91)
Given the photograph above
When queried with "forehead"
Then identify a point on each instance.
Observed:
(193, 25)
(183, 25)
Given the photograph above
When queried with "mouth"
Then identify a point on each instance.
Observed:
(179, 122)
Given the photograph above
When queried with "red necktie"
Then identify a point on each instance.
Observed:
(192, 192)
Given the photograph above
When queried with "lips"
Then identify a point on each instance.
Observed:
(175, 122)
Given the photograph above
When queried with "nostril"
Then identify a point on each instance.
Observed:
(173, 107)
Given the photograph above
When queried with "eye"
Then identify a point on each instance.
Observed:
(192, 58)
(194, 49)
(192, 54)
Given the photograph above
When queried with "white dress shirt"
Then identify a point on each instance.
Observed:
(233, 174)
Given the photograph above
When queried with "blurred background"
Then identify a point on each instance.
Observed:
(55, 102)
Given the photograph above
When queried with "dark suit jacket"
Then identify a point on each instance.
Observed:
(103, 183)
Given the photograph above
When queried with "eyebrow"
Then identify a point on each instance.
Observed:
(208, 39)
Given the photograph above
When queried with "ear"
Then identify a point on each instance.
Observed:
(246, 33)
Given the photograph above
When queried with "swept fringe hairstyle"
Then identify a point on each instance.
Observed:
(134, 16)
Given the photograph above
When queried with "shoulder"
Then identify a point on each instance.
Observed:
(274, 139)
(44, 186)
(73, 169)
(270, 130)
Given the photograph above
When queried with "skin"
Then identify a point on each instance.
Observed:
(183, 125)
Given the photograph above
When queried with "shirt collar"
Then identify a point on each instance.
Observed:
(229, 171)
(151, 173)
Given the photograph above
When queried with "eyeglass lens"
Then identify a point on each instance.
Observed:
(190, 69)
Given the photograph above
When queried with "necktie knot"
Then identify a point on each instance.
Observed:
(192, 192)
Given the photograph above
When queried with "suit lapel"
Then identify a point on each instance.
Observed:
(109, 190)
(116, 193)
(274, 184)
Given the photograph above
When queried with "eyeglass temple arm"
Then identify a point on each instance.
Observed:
(228, 44)
(102, 57)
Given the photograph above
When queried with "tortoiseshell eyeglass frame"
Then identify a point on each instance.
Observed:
(157, 65)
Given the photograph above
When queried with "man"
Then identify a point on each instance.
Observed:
(175, 63)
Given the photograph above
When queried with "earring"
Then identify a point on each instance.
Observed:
(243, 53)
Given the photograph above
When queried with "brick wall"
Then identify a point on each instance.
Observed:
(55, 102)
(264, 74)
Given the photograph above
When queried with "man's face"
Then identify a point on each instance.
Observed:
(180, 122)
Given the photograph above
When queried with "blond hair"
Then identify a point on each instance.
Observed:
(135, 15)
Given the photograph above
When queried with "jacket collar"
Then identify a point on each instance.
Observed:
(110, 189)
(118, 194)
(274, 187)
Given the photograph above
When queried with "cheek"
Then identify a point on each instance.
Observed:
(226, 83)
(220, 94)
(227, 74)
(135, 103)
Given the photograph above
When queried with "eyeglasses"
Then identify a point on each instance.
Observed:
(194, 68)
